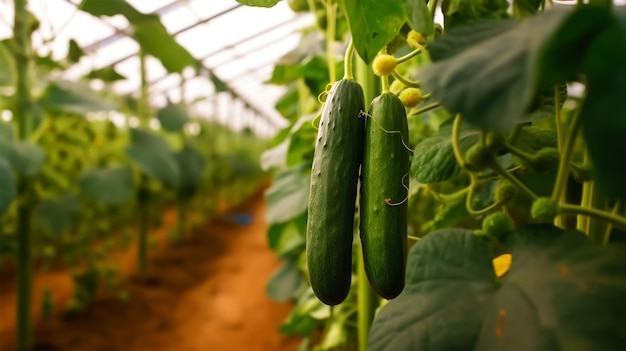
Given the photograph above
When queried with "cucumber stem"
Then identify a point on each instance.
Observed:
(347, 62)
(608, 217)
(144, 222)
(331, 11)
(404, 80)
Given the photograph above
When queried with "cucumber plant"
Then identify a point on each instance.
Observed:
(510, 156)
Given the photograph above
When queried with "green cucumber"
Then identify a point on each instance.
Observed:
(332, 199)
(383, 208)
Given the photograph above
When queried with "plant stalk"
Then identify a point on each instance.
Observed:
(144, 224)
(22, 54)
(366, 297)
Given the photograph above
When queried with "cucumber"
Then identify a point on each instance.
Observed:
(383, 208)
(332, 199)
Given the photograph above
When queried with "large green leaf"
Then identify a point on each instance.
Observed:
(463, 12)
(373, 23)
(25, 158)
(59, 214)
(491, 93)
(112, 185)
(419, 17)
(75, 52)
(288, 196)
(148, 30)
(191, 163)
(449, 280)
(153, 155)
(593, 41)
(284, 282)
(560, 293)
(172, 117)
(259, 3)
(72, 97)
(433, 158)
(287, 239)
(106, 74)
(8, 190)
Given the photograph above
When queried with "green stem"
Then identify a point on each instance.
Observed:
(24, 284)
(511, 178)
(144, 223)
(456, 127)
(426, 108)
(347, 62)
(582, 222)
(470, 196)
(409, 56)
(609, 227)
(331, 10)
(143, 104)
(385, 84)
(557, 113)
(566, 156)
(22, 54)
(367, 302)
(432, 7)
(519, 153)
(594, 212)
(404, 80)
(366, 297)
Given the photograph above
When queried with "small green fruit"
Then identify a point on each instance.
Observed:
(544, 209)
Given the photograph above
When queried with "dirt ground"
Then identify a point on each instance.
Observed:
(207, 293)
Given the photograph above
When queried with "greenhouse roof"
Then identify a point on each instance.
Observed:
(236, 45)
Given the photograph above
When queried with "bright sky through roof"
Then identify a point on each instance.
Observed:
(240, 44)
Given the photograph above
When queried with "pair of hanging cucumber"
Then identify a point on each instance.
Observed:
(347, 143)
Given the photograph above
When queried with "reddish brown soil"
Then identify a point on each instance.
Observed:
(207, 293)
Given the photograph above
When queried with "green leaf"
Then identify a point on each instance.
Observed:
(106, 74)
(302, 141)
(75, 52)
(191, 163)
(284, 282)
(8, 190)
(525, 8)
(532, 138)
(172, 117)
(287, 239)
(449, 280)
(153, 156)
(71, 97)
(287, 105)
(25, 158)
(112, 185)
(275, 157)
(7, 63)
(492, 94)
(6, 131)
(59, 214)
(433, 158)
(373, 24)
(464, 12)
(288, 196)
(148, 30)
(588, 43)
(561, 293)
(419, 17)
(259, 3)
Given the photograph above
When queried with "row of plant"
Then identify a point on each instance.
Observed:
(511, 213)
(84, 173)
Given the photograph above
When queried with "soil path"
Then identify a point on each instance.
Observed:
(205, 294)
